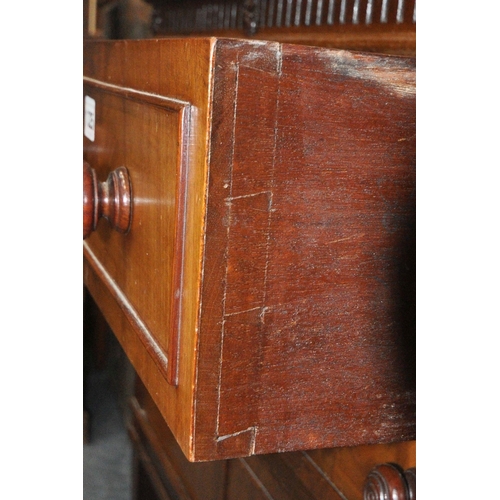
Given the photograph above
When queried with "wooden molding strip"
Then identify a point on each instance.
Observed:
(183, 109)
(148, 340)
(170, 103)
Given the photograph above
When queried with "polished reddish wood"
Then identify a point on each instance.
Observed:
(111, 199)
(348, 467)
(335, 474)
(271, 257)
(148, 130)
(389, 482)
(149, 97)
(411, 481)
(309, 252)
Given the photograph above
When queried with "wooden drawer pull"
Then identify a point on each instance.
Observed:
(390, 482)
(111, 199)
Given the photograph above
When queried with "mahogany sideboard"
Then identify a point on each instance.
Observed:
(262, 284)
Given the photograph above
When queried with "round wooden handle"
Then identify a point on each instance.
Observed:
(390, 482)
(111, 199)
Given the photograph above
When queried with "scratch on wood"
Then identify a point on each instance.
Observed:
(279, 55)
(407, 138)
(231, 198)
(226, 256)
(251, 429)
(263, 313)
(242, 312)
(254, 440)
(354, 236)
(254, 68)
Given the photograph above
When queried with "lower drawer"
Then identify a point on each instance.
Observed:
(328, 474)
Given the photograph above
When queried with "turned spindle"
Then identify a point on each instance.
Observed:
(390, 482)
(111, 200)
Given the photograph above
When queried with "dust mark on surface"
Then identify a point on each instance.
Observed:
(390, 72)
(289, 325)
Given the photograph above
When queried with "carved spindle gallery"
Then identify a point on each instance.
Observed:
(250, 15)
(111, 199)
(390, 482)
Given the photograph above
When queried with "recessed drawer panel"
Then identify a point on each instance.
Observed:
(148, 135)
(265, 290)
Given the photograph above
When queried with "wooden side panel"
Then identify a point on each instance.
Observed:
(340, 285)
(235, 247)
(248, 201)
(310, 242)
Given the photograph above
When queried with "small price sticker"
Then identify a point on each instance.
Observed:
(89, 119)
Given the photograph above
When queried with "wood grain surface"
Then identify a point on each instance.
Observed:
(309, 250)
(142, 90)
(295, 324)
(327, 474)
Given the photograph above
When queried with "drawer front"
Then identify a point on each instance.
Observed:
(148, 135)
(151, 117)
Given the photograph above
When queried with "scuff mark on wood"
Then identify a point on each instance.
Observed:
(232, 198)
(241, 312)
(252, 430)
(392, 73)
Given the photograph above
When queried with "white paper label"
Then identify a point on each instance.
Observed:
(89, 120)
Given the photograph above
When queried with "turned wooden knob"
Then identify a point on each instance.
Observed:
(111, 199)
(390, 482)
